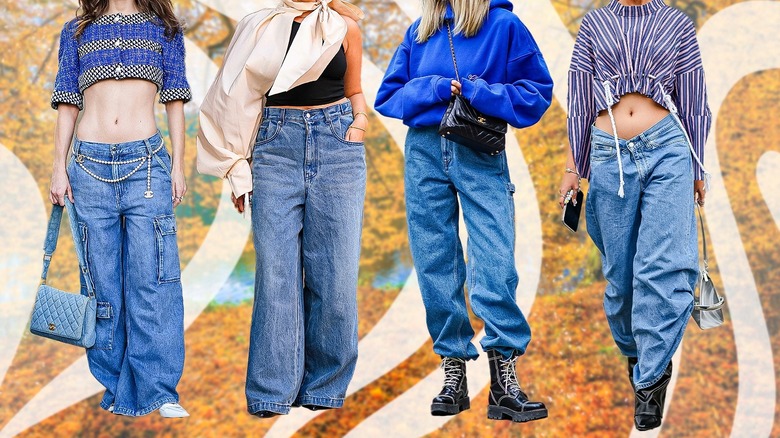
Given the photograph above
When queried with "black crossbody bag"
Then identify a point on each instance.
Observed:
(463, 124)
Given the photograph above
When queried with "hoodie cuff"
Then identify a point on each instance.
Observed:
(468, 89)
(443, 88)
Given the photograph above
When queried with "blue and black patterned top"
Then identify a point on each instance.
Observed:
(118, 46)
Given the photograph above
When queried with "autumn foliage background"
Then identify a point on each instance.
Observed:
(572, 364)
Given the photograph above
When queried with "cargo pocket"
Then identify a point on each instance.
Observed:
(168, 269)
(104, 326)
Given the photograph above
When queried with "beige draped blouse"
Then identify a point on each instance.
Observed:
(254, 64)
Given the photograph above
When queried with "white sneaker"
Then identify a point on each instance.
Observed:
(173, 410)
(111, 408)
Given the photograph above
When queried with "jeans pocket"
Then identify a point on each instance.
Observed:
(104, 326)
(168, 269)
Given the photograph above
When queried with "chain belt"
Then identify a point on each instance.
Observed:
(140, 160)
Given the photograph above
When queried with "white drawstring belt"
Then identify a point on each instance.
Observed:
(610, 102)
(673, 110)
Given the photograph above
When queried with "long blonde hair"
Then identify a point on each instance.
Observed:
(469, 17)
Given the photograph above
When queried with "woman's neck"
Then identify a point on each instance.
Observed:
(125, 7)
(633, 2)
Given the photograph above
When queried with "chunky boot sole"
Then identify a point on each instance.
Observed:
(446, 409)
(499, 413)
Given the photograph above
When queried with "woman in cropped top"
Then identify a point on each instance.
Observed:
(284, 123)
(121, 185)
(638, 121)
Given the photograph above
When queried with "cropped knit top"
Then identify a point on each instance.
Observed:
(119, 46)
(649, 49)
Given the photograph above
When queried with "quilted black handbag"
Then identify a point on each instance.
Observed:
(463, 124)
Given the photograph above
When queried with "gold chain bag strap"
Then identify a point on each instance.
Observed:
(463, 124)
(708, 305)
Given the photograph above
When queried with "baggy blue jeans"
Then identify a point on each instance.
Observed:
(309, 185)
(647, 241)
(438, 173)
(129, 242)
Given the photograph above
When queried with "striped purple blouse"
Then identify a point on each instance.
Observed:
(659, 47)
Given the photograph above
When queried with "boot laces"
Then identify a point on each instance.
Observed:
(509, 375)
(452, 371)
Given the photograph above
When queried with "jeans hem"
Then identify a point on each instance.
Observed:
(255, 407)
(669, 359)
(141, 412)
(327, 402)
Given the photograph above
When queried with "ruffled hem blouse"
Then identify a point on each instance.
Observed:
(119, 46)
(636, 49)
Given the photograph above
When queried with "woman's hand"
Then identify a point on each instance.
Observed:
(699, 192)
(357, 130)
(179, 186)
(455, 87)
(570, 185)
(60, 187)
(239, 202)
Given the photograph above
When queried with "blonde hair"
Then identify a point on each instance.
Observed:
(469, 17)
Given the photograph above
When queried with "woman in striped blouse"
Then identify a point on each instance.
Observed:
(638, 121)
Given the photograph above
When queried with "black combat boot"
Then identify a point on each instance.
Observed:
(454, 395)
(631, 362)
(649, 402)
(507, 401)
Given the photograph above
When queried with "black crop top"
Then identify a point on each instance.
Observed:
(328, 88)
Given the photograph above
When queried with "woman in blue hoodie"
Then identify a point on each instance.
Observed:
(503, 75)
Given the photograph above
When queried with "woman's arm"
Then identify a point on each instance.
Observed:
(175, 112)
(527, 91)
(63, 134)
(353, 47)
(401, 96)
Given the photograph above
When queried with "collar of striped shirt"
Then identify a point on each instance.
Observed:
(635, 11)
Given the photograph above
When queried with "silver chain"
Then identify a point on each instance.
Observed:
(452, 49)
(141, 160)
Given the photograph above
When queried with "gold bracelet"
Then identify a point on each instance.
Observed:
(355, 127)
(570, 170)
(359, 113)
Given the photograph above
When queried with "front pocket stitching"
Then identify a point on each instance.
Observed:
(278, 126)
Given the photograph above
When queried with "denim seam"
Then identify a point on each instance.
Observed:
(333, 402)
(149, 408)
(456, 281)
(279, 408)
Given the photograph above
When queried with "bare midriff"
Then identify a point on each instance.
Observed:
(634, 114)
(118, 111)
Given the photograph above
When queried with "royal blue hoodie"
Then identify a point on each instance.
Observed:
(502, 71)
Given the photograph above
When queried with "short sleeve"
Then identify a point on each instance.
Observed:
(175, 85)
(66, 84)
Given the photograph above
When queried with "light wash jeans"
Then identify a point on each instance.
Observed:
(307, 212)
(129, 242)
(438, 173)
(647, 242)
